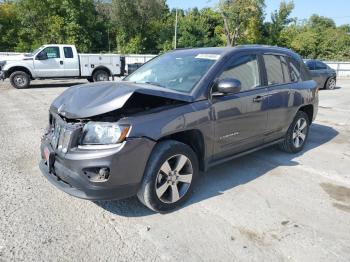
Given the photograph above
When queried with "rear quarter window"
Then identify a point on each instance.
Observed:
(296, 68)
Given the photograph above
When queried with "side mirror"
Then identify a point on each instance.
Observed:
(42, 56)
(228, 86)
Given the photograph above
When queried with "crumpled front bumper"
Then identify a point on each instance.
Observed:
(126, 164)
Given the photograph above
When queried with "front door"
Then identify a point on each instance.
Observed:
(49, 65)
(240, 119)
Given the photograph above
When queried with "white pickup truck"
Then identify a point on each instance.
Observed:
(60, 61)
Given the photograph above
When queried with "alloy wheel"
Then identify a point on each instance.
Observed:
(332, 84)
(174, 179)
(300, 132)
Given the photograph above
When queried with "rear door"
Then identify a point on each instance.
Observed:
(71, 62)
(240, 119)
(280, 83)
(52, 66)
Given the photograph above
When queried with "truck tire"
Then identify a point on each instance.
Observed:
(100, 75)
(169, 176)
(297, 134)
(331, 83)
(20, 79)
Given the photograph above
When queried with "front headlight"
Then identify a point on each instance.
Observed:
(2, 63)
(104, 133)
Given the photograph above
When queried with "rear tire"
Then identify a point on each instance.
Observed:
(297, 134)
(20, 79)
(100, 75)
(171, 172)
(331, 83)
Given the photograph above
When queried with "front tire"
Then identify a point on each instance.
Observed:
(20, 79)
(171, 172)
(297, 134)
(100, 75)
(331, 83)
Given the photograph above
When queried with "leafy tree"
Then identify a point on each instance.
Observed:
(237, 16)
(133, 20)
(9, 24)
(60, 21)
(199, 28)
(279, 20)
(320, 22)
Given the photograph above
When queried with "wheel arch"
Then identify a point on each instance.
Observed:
(19, 68)
(309, 110)
(194, 139)
(104, 68)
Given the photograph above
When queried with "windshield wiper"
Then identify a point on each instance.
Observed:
(151, 83)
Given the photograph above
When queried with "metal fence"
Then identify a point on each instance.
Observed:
(342, 68)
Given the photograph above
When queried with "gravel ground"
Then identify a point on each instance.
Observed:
(269, 206)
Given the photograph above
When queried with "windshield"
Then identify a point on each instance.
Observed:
(178, 71)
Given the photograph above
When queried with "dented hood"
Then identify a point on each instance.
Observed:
(88, 100)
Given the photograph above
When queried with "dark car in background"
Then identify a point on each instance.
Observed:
(184, 111)
(325, 76)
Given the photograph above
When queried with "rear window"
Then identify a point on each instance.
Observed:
(68, 52)
(310, 65)
(320, 65)
(274, 69)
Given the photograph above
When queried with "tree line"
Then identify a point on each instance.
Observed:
(147, 26)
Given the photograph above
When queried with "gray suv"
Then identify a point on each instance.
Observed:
(184, 111)
(325, 76)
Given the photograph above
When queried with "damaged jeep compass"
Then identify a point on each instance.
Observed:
(184, 111)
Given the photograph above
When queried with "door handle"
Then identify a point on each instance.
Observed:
(61, 62)
(258, 99)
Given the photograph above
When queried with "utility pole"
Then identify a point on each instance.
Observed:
(109, 42)
(175, 38)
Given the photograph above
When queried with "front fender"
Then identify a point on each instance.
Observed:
(10, 67)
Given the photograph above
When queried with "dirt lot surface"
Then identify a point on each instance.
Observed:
(268, 206)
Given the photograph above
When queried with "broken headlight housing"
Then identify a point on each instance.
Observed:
(104, 133)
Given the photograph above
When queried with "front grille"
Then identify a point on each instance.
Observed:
(55, 135)
(64, 135)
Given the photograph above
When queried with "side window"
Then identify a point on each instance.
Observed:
(52, 52)
(310, 65)
(244, 69)
(273, 69)
(295, 72)
(320, 65)
(68, 52)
